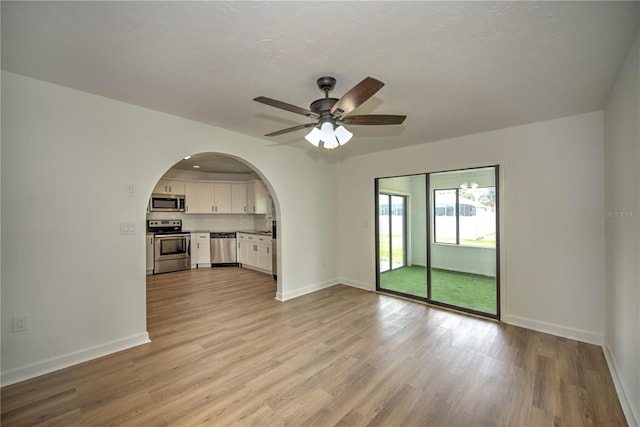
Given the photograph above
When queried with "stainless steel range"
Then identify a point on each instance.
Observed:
(172, 246)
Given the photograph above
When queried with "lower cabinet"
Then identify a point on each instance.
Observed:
(254, 251)
(264, 256)
(200, 249)
(243, 248)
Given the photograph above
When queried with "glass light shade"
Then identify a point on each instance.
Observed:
(474, 185)
(343, 135)
(328, 136)
(331, 144)
(314, 136)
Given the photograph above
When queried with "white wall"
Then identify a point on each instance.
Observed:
(552, 256)
(622, 228)
(466, 259)
(67, 157)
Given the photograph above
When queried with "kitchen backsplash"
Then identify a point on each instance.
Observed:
(219, 222)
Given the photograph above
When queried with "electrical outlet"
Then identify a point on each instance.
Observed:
(20, 322)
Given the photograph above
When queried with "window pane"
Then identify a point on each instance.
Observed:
(445, 216)
(477, 216)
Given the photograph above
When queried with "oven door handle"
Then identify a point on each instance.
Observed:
(171, 236)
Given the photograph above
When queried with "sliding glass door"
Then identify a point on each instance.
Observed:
(446, 238)
(463, 253)
(401, 235)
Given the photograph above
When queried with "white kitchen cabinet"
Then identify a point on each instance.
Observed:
(257, 197)
(254, 251)
(166, 186)
(200, 249)
(264, 256)
(243, 248)
(222, 198)
(204, 197)
(190, 205)
(252, 256)
(239, 198)
(150, 253)
(208, 197)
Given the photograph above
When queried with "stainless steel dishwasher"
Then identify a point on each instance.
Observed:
(223, 249)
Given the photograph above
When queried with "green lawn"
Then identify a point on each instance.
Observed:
(397, 250)
(461, 289)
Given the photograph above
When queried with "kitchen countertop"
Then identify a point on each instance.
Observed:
(257, 232)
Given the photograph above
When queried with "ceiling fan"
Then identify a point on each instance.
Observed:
(332, 113)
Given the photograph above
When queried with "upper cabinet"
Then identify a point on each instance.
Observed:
(166, 186)
(190, 205)
(257, 197)
(209, 197)
(239, 198)
(222, 198)
(204, 197)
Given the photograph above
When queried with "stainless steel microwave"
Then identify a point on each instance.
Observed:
(166, 203)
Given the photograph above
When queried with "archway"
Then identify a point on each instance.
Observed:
(224, 170)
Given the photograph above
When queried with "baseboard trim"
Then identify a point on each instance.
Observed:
(630, 413)
(359, 285)
(553, 329)
(46, 366)
(284, 296)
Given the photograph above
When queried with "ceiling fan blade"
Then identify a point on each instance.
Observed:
(357, 95)
(373, 119)
(287, 130)
(285, 106)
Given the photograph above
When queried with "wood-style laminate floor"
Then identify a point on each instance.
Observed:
(224, 352)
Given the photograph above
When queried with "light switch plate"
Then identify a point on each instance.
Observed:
(131, 190)
(127, 228)
(20, 322)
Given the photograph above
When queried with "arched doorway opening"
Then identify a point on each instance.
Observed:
(205, 194)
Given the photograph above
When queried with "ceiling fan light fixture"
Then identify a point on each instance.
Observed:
(343, 135)
(328, 111)
(328, 136)
(313, 137)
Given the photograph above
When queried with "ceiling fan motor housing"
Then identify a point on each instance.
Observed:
(323, 105)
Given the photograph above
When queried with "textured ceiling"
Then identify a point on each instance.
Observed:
(453, 68)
